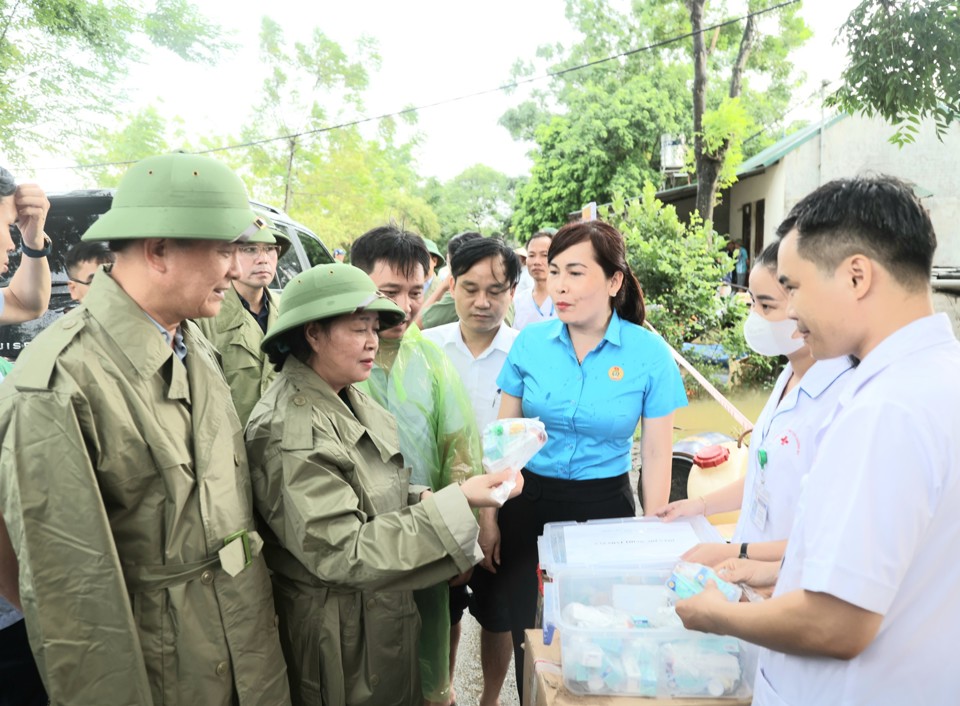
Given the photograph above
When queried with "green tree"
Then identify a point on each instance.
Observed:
(342, 181)
(109, 152)
(904, 64)
(597, 129)
(62, 61)
(479, 198)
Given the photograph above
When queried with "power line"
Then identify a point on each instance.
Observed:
(456, 99)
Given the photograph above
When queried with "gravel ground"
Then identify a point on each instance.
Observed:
(468, 680)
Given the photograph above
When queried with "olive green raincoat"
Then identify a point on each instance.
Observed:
(122, 474)
(416, 381)
(344, 547)
(237, 335)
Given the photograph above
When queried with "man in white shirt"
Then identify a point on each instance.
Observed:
(485, 273)
(535, 305)
(865, 610)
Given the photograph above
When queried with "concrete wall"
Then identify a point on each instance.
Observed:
(859, 145)
(854, 146)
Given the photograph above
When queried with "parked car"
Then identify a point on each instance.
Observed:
(71, 213)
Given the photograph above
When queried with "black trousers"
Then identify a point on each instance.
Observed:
(20, 683)
(521, 522)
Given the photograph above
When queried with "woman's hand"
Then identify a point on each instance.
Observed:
(711, 554)
(478, 488)
(689, 507)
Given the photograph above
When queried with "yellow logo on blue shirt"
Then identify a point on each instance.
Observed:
(615, 373)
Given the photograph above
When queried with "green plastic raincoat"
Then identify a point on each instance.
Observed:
(416, 382)
(122, 475)
(237, 336)
(345, 542)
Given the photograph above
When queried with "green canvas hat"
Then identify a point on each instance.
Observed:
(325, 291)
(271, 234)
(180, 196)
(435, 251)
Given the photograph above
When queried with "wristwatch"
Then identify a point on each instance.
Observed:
(743, 550)
(30, 252)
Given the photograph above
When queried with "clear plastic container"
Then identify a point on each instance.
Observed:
(619, 636)
(636, 542)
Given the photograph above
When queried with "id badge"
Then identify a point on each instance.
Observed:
(761, 504)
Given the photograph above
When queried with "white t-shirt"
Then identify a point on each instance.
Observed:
(784, 436)
(479, 375)
(526, 311)
(878, 526)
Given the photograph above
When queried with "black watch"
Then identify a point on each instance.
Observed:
(30, 252)
(743, 550)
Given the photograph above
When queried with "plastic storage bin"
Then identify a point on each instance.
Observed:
(619, 636)
(629, 542)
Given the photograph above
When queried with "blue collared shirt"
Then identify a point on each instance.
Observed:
(590, 410)
(179, 347)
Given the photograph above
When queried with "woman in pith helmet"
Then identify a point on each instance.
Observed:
(347, 537)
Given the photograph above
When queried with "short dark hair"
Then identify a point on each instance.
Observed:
(401, 249)
(610, 253)
(877, 216)
(477, 249)
(85, 252)
(8, 185)
(457, 242)
(542, 233)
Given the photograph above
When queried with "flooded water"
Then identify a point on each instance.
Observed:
(704, 414)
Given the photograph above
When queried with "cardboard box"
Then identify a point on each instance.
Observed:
(543, 682)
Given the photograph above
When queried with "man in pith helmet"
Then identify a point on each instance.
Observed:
(249, 307)
(123, 477)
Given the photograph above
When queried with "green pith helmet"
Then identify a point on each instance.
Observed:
(325, 291)
(179, 196)
(435, 251)
(271, 234)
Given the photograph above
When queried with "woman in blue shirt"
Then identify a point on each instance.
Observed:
(591, 376)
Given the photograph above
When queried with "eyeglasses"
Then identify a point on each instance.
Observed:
(255, 250)
(86, 282)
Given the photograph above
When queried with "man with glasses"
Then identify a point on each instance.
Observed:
(83, 260)
(248, 309)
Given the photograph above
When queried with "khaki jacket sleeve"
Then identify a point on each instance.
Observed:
(314, 502)
(77, 610)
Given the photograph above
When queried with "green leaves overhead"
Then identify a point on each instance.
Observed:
(596, 130)
(904, 64)
(61, 61)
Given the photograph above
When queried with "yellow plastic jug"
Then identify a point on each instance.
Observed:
(713, 468)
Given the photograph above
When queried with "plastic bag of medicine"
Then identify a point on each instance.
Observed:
(510, 443)
(688, 579)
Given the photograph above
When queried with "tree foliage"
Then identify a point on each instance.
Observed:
(339, 182)
(597, 129)
(679, 265)
(904, 64)
(479, 198)
(108, 152)
(60, 58)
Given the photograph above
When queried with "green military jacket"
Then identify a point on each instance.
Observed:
(345, 543)
(122, 473)
(237, 335)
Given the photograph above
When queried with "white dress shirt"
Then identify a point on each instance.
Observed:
(878, 525)
(527, 312)
(785, 437)
(479, 375)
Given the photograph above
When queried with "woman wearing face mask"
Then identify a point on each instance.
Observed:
(782, 444)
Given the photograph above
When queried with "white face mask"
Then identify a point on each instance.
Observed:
(771, 337)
